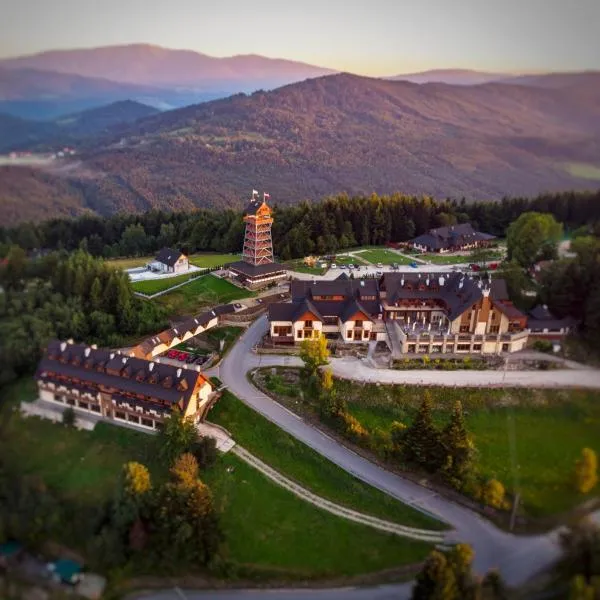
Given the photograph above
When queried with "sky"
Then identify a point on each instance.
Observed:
(369, 37)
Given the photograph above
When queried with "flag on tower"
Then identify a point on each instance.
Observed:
(265, 196)
(254, 194)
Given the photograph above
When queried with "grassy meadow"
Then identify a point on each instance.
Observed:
(299, 462)
(267, 528)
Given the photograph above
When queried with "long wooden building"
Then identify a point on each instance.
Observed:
(118, 387)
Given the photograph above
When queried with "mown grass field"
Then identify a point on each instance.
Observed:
(299, 266)
(551, 427)
(384, 256)
(266, 527)
(293, 458)
(209, 260)
(153, 286)
(129, 263)
(205, 291)
(203, 260)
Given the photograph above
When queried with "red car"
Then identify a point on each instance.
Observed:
(474, 267)
(493, 266)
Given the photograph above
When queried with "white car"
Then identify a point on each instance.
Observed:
(333, 266)
(379, 265)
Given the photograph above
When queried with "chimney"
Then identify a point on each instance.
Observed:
(441, 280)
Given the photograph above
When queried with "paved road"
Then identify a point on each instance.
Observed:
(517, 557)
(353, 368)
(383, 592)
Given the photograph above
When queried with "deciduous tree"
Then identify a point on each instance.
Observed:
(314, 353)
(586, 471)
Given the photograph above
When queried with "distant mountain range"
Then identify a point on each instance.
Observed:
(327, 135)
(20, 134)
(469, 77)
(450, 76)
(52, 83)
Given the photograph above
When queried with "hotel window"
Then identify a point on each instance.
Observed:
(464, 329)
(58, 397)
(95, 407)
(308, 324)
(147, 422)
(463, 347)
(71, 401)
(358, 323)
(494, 328)
(83, 405)
(299, 334)
(119, 415)
(133, 418)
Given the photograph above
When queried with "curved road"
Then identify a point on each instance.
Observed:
(517, 557)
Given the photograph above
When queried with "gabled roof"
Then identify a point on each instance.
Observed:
(292, 311)
(451, 236)
(352, 307)
(168, 256)
(541, 318)
(97, 366)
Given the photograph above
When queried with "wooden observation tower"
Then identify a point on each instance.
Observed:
(258, 244)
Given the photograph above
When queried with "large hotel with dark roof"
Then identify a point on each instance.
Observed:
(416, 313)
(121, 388)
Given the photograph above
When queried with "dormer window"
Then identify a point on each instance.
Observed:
(182, 386)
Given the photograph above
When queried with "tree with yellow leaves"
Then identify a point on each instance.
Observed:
(314, 353)
(586, 471)
(185, 469)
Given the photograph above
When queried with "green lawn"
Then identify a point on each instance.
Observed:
(344, 259)
(153, 286)
(299, 266)
(296, 460)
(384, 256)
(203, 260)
(229, 333)
(450, 259)
(206, 291)
(213, 260)
(551, 428)
(129, 263)
(266, 527)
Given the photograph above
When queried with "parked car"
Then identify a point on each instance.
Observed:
(493, 266)
(379, 265)
(190, 359)
(414, 265)
(182, 356)
(199, 360)
(475, 267)
(333, 266)
(342, 266)
(379, 273)
(351, 266)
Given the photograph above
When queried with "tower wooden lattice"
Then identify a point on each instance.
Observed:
(258, 244)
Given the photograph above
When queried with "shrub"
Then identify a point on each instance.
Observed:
(493, 493)
(542, 346)
(354, 430)
(586, 471)
(69, 417)
(205, 451)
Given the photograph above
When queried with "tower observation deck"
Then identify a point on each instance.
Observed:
(258, 244)
(258, 267)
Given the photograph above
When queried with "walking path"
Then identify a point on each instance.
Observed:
(425, 535)
(518, 557)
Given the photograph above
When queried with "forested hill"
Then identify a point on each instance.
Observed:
(346, 133)
(334, 224)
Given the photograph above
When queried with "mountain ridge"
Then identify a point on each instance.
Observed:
(343, 133)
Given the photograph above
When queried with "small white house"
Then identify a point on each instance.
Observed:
(170, 261)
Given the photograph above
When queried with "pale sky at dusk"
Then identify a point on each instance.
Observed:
(375, 37)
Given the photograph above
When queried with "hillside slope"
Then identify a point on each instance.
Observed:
(347, 133)
(20, 134)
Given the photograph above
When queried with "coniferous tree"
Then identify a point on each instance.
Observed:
(422, 444)
(458, 447)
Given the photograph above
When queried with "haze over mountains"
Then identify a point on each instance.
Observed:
(34, 86)
(328, 135)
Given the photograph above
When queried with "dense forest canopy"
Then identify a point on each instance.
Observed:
(333, 224)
